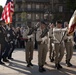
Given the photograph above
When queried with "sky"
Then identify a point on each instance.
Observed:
(2, 2)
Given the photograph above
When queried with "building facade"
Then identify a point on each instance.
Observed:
(60, 10)
(30, 11)
(35, 10)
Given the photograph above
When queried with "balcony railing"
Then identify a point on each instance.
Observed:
(33, 0)
(18, 0)
(31, 10)
(18, 10)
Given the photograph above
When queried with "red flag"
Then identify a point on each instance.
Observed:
(72, 23)
(8, 12)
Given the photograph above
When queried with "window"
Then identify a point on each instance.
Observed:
(33, 5)
(18, 24)
(42, 6)
(19, 6)
(18, 17)
(33, 16)
(22, 6)
(23, 16)
(60, 8)
(16, 7)
(29, 6)
(46, 7)
(42, 16)
(28, 16)
(55, 1)
(37, 16)
(37, 6)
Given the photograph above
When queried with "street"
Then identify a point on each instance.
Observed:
(18, 65)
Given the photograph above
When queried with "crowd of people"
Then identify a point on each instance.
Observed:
(28, 37)
(10, 38)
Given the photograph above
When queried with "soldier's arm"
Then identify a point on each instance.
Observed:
(38, 34)
(25, 34)
(50, 32)
(64, 29)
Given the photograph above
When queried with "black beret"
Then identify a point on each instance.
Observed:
(59, 21)
(44, 22)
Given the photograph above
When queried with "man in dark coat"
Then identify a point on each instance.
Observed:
(2, 41)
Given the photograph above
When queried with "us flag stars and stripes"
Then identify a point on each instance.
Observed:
(8, 11)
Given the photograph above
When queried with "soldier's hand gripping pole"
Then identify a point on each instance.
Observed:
(63, 37)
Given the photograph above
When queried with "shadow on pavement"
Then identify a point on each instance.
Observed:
(22, 68)
(19, 61)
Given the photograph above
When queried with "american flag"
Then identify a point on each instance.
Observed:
(8, 11)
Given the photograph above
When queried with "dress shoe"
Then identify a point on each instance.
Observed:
(1, 63)
(28, 65)
(40, 69)
(45, 62)
(57, 67)
(5, 60)
(31, 64)
(60, 65)
(52, 60)
(43, 69)
(69, 64)
(10, 58)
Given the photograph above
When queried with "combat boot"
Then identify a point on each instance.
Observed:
(60, 65)
(57, 67)
(68, 63)
(31, 64)
(40, 69)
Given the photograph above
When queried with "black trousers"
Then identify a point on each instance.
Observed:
(6, 50)
(12, 47)
(2, 50)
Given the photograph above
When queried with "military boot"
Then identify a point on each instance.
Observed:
(30, 63)
(57, 67)
(40, 69)
(68, 63)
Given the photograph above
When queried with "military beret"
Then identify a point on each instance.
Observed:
(44, 22)
(59, 21)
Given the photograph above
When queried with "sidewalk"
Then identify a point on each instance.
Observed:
(18, 66)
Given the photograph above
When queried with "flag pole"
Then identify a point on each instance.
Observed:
(63, 37)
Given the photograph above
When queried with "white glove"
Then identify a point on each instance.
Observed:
(11, 42)
(8, 35)
(44, 38)
(30, 36)
(8, 28)
(64, 29)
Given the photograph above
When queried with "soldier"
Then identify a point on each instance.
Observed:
(7, 44)
(58, 43)
(69, 47)
(29, 39)
(2, 40)
(11, 41)
(42, 46)
(51, 53)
